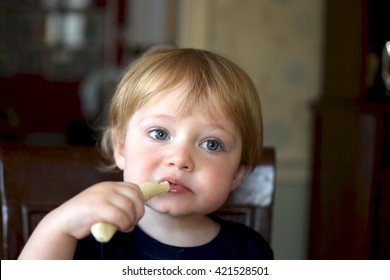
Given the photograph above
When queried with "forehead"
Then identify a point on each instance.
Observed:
(186, 101)
(166, 110)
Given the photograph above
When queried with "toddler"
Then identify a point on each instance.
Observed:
(186, 116)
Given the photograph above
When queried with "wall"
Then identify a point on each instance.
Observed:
(279, 44)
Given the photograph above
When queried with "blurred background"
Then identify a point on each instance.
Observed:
(321, 68)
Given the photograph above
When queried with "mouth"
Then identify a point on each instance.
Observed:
(176, 185)
(172, 181)
(172, 184)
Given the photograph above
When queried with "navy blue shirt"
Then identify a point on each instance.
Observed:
(235, 241)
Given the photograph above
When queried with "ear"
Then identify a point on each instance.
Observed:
(119, 152)
(241, 172)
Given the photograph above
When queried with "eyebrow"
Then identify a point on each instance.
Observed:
(157, 116)
(210, 124)
(218, 126)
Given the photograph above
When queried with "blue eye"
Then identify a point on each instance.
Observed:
(159, 134)
(212, 145)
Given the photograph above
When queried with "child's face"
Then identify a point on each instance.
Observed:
(198, 156)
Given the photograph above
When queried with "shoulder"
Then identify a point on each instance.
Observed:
(244, 241)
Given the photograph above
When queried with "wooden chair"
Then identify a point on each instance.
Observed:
(36, 179)
(252, 202)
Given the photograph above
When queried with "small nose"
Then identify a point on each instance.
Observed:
(180, 157)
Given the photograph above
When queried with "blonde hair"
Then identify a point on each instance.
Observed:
(213, 84)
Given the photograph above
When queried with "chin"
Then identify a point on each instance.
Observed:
(182, 208)
(171, 210)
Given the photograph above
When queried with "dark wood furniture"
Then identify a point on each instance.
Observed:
(350, 211)
(252, 202)
(35, 179)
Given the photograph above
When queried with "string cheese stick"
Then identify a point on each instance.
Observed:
(151, 189)
(103, 232)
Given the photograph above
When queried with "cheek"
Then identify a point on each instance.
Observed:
(138, 165)
(218, 186)
(214, 200)
(222, 173)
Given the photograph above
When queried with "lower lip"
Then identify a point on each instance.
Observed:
(178, 189)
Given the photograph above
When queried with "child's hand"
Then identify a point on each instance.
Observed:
(104, 231)
(118, 203)
(55, 237)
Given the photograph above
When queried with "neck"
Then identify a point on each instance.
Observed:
(183, 231)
